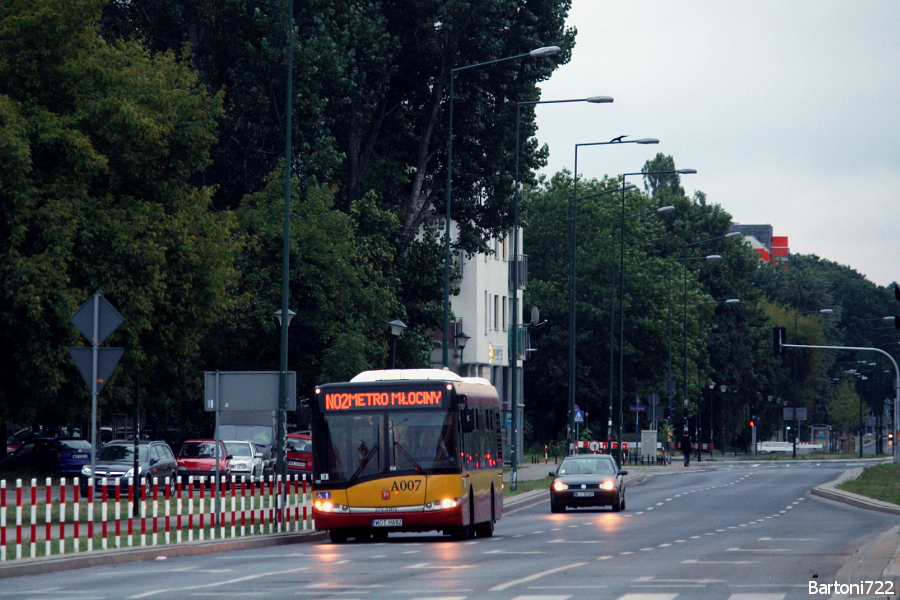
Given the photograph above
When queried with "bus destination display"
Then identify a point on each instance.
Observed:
(368, 400)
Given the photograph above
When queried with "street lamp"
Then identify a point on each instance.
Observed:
(514, 350)
(622, 298)
(573, 239)
(823, 311)
(461, 340)
(536, 53)
(397, 326)
(281, 424)
(712, 384)
(612, 313)
(571, 420)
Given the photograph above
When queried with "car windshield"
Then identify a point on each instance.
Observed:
(239, 449)
(198, 450)
(75, 445)
(121, 453)
(586, 466)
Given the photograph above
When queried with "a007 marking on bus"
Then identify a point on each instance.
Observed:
(406, 485)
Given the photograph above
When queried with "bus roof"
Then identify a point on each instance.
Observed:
(417, 374)
(407, 374)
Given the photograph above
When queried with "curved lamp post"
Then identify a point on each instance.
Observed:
(537, 53)
(461, 340)
(514, 346)
(622, 299)
(712, 384)
(612, 320)
(823, 311)
(573, 242)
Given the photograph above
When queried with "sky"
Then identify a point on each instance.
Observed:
(789, 111)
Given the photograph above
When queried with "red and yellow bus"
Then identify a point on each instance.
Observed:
(407, 450)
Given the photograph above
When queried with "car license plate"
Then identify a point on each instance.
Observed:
(387, 522)
(583, 494)
(296, 463)
(78, 456)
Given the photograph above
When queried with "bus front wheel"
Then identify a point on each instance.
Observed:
(337, 536)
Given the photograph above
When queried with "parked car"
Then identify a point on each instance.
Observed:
(246, 458)
(63, 457)
(587, 480)
(115, 462)
(15, 441)
(197, 458)
(299, 454)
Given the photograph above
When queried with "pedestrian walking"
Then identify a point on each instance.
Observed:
(686, 447)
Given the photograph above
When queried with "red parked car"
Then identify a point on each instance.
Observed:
(299, 454)
(197, 458)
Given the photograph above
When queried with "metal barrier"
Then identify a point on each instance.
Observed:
(157, 516)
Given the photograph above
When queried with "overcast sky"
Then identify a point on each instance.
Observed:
(789, 111)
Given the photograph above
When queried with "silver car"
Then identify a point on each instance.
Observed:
(246, 458)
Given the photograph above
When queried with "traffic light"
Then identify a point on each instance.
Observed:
(779, 335)
(752, 423)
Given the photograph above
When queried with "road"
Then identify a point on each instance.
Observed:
(724, 531)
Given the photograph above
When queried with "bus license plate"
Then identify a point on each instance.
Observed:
(387, 522)
(583, 494)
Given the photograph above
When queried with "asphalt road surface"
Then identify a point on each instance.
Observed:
(737, 531)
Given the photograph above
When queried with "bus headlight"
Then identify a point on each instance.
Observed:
(326, 506)
(559, 486)
(443, 504)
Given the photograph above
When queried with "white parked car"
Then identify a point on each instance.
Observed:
(246, 458)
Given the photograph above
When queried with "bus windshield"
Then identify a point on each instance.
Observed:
(360, 446)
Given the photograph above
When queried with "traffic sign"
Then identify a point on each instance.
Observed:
(579, 415)
(107, 359)
(637, 408)
(108, 319)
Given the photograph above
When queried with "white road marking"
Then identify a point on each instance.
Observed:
(509, 584)
(224, 582)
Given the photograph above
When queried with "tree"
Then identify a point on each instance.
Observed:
(101, 141)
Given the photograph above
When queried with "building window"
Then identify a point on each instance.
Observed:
(487, 312)
(504, 313)
(496, 312)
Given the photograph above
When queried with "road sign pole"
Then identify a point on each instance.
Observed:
(95, 346)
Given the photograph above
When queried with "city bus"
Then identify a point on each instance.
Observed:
(407, 451)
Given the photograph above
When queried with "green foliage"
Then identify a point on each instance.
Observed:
(101, 142)
(844, 408)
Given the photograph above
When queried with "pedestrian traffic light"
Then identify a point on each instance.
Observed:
(779, 335)
(752, 423)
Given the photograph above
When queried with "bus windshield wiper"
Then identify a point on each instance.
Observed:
(398, 446)
(363, 463)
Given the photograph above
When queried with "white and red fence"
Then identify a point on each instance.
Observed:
(58, 519)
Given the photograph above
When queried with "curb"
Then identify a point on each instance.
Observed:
(55, 564)
(829, 491)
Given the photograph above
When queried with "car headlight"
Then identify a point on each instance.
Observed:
(609, 484)
(86, 470)
(559, 486)
(443, 504)
(182, 468)
(326, 506)
(130, 472)
(240, 466)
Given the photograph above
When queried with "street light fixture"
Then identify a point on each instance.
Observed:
(514, 351)
(397, 326)
(461, 340)
(711, 386)
(612, 313)
(622, 297)
(536, 53)
(823, 311)
(573, 239)
(571, 419)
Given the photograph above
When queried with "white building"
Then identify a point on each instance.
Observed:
(483, 311)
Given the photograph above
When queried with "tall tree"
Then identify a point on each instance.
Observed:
(103, 140)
